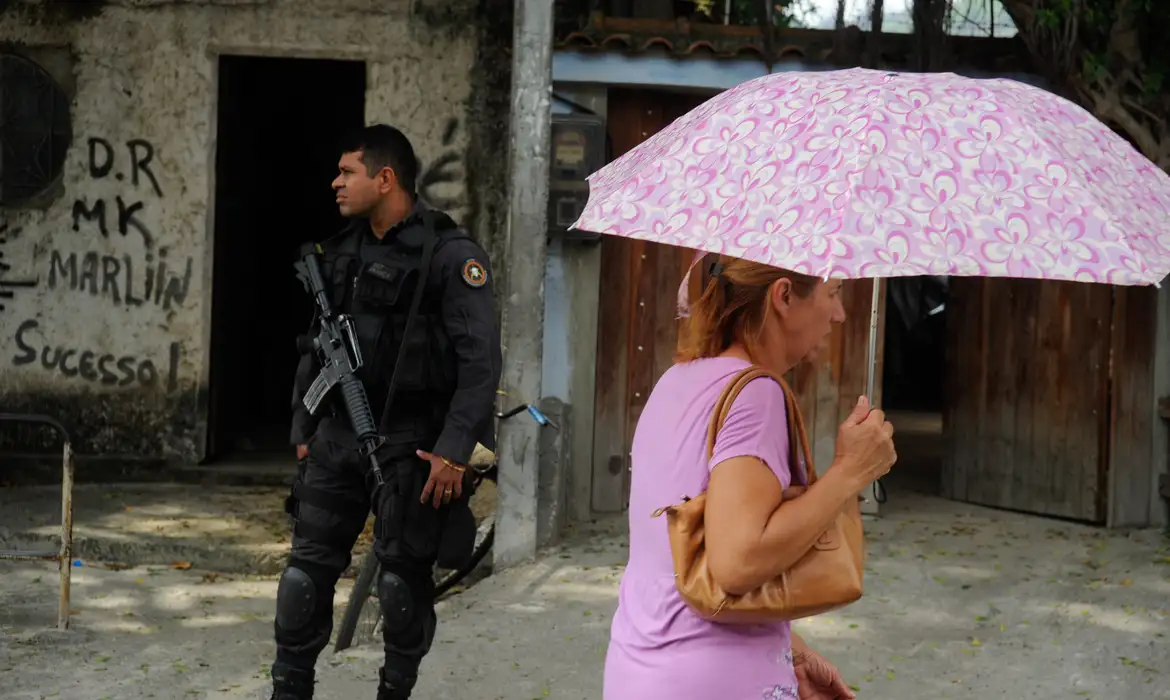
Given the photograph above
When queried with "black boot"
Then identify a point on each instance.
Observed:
(393, 685)
(291, 683)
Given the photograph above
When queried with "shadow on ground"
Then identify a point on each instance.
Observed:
(961, 602)
(215, 528)
(143, 632)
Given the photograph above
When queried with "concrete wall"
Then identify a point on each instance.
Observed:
(107, 339)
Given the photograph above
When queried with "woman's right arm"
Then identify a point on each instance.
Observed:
(753, 534)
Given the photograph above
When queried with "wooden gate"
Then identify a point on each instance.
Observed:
(637, 329)
(1027, 417)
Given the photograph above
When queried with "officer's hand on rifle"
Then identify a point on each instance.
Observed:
(302, 452)
(446, 480)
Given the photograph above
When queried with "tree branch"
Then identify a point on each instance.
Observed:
(1117, 98)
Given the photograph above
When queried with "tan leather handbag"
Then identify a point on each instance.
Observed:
(827, 577)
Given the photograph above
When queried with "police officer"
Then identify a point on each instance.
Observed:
(442, 404)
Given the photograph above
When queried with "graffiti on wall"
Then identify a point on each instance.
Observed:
(115, 278)
(93, 365)
(126, 279)
(140, 275)
(10, 281)
(440, 184)
(101, 164)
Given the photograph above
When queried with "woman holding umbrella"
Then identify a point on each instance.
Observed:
(829, 175)
(749, 314)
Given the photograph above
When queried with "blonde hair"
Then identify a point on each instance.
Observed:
(733, 307)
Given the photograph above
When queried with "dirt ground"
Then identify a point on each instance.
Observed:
(225, 529)
(216, 529)
(961, 602)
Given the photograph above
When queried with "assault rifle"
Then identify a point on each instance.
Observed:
(340, 358)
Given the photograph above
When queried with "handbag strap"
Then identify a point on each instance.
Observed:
(797, 430)
(797, 434)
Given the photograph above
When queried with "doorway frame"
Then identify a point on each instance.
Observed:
(213, 53)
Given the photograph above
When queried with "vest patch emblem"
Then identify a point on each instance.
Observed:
(381, 271)
(474, 274)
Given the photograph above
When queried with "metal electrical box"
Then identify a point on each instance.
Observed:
(578, 149)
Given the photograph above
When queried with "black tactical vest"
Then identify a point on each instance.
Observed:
(374, 282)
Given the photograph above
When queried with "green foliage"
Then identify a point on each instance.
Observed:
(1104, 53)
(1112, 55)
(785, 13)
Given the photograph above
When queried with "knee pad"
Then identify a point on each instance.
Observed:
(296, 599)
(397, 602)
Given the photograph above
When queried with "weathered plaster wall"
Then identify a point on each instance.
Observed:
(112, 336)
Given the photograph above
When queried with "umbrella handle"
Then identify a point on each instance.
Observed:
(871, 356)
(876, 488)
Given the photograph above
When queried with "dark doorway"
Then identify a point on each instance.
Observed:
(913, 378)
(279, 125)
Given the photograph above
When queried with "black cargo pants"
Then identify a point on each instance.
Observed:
(330, 501)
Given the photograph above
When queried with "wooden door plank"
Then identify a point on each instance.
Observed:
(668, 277)
(1025, 309)
(958, 315)
(609, 439)
(963, 364)
(640, 346)
(1045, 396)
(1061, 396)
(1131, 430)
(610, 447)
(999, 421)
(1091, 319)
(1027, 396)
(981, 409)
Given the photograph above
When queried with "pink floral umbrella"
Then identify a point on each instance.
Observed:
(861, 173)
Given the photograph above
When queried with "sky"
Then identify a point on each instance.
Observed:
(970, 17)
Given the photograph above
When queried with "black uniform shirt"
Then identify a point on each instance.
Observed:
(461, 278)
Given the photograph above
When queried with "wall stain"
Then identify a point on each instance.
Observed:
(487, 144)
(55, 10)
(136, 422)
(447, 169)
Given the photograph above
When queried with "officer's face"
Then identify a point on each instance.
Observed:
(357, 192)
